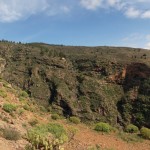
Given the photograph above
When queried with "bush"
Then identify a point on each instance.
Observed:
(74, 120)
(129, 137)
(49, 136)
(23, 94)
(58, 131)
(103, 127)
(145, 132)
(22, 98)
(42, 142)
(26, 107)
(29, 147)
(55, 116)
(11, 134)
(131, 128)
(43, 109)
(55, 129)
(9, 108)
(3, 94)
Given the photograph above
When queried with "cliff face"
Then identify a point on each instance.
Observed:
(91, 83)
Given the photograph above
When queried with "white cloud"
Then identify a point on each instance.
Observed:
(132, 12)
(13, 10)
(95, 4)
(135, 13)
(91, 4)
(146, 14)
(131, 9)
(113, 2)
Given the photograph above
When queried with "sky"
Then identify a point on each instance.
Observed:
(77, 22)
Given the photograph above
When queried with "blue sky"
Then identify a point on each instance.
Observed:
(77, 22)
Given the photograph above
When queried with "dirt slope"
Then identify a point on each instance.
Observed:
(83, 139)
(88, 138)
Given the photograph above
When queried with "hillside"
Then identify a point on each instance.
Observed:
(107, 84)
(24, 125)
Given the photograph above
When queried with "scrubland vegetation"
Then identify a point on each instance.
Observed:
(67, 88)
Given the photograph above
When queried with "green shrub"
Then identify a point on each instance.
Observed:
(47, 136)
(42, 142)
(9, 108)
(58, 131)
(49, 109)
(55, 129)
(3, 93)
(29, 147)
(6, 84)
(145, 132)
(43, 109)
(26, 107)
(22, 98)
(131, 128)
(11, 134)
(129, 137)
(55, 116)
(103, 127)
(21, 111)
(74, 120)
(113, 129)
(23, 94)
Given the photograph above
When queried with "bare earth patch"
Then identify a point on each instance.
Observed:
(86, 138)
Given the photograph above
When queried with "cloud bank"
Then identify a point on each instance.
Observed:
(131, 9)
(14, 10)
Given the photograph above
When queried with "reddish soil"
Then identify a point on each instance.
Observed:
(88, 138)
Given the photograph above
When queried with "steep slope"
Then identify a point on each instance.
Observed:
(22, 115)
(91, 83)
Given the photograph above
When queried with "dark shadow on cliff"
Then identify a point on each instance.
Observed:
(134, 105)
(135, 74)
